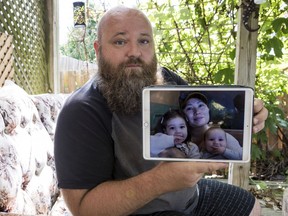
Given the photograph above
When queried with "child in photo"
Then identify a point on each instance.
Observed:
(215, 146)
(172, 135)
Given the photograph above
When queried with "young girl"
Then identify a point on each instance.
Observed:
(173, 128)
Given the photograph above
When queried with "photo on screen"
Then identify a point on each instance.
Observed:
(198, 124)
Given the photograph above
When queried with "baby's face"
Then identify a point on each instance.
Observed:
(177, 127)
(214, 139)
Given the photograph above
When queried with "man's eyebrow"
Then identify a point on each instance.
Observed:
(119, 33)
(146, 34)
(125, 33)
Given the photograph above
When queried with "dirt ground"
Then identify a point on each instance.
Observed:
(270, 200)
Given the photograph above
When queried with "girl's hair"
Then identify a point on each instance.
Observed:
(170, 114)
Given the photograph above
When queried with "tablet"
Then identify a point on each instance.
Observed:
(197, 123)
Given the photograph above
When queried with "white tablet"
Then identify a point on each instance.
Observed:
(197, 123)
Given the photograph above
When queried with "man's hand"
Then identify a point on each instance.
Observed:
(179, 175)
(260, 115)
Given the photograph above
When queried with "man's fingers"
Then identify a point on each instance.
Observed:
(258, 105)
(260, 115)
(210, 167)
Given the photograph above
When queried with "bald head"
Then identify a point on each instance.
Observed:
(119, 15)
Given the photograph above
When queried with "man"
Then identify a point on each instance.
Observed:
(98, 140)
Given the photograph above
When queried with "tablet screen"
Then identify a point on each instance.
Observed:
(197, 123)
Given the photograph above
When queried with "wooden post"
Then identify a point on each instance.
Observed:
(245, 70)
(53, 41)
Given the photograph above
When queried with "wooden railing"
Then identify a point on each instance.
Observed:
(6, 58)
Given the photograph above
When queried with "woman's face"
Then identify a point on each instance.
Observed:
(196, 112)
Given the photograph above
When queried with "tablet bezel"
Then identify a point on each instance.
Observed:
(248, 116)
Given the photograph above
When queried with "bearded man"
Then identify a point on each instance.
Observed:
(98, 140)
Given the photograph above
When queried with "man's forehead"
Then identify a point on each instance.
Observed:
(124, 28)
(125, 20)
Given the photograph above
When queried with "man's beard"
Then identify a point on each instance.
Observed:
(122, 87)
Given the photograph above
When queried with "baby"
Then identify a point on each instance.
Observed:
(215, 145)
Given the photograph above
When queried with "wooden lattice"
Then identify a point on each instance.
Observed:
(25, 20)
(6, 58)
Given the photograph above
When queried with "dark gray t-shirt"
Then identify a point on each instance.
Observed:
(127, 135)
(93, 145)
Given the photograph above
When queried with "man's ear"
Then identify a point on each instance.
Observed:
(96, 47)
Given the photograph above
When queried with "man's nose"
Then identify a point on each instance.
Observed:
(134, 50)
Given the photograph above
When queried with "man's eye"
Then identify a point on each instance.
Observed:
(119, 42)
(144, 41)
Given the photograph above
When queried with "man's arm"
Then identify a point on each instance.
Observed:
(126, 196)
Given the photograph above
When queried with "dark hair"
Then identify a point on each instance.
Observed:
(239, 101)
(185, 96)
(172, 113)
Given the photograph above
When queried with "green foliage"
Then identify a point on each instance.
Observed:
(280, 25)
(196, 38)
(261, 185)
(256, 153)
(79, 14)
(225, 75)
(80, 40)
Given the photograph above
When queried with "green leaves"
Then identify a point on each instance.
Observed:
(225, 75)
(196, 38)
(277, 45)
(280, 24)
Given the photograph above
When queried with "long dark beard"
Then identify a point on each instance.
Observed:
(122, 87)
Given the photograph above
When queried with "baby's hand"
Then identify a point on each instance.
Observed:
(178, 139)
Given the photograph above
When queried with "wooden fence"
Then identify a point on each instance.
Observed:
(72, 80)
(74, 73)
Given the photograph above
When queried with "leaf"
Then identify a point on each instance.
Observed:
(232, 54)
(184, 13)
(277, 45)
(280, 24)
(262, 185)
(225, 75)
(256, 152)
